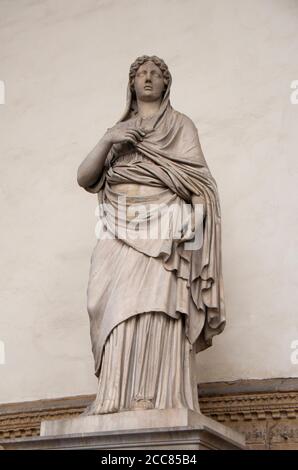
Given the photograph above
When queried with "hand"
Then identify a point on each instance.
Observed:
(121, 133)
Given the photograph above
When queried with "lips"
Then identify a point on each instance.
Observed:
(148, 87)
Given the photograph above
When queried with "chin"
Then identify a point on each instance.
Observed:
(147, 97)
(151, 95)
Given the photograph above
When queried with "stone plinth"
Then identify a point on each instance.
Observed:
(141, 429)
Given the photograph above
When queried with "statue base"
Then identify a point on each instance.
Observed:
(170, 429)
(143, 429)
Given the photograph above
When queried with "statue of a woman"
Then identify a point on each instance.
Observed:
(153, 302)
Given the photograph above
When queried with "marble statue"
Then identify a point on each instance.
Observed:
(153, 302)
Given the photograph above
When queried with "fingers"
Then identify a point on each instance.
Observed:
(137, 129)
(130, 134)
(132, 140)
(138, 133)
(134, 136)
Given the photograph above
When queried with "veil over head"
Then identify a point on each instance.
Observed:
(131, 108)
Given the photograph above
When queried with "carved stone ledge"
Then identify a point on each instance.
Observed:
(265, 411)
(23, 419)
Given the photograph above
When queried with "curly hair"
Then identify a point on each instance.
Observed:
(145, 58)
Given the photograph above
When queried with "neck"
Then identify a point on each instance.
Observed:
(148, 108)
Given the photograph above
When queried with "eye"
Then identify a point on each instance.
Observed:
(156, 74)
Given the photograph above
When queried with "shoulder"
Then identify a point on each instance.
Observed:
(184, 120)
(188, 129)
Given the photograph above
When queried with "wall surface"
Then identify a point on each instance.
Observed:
(65, 65)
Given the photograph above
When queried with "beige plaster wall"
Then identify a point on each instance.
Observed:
(64, 66)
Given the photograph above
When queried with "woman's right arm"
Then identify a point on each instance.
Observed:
(92, 166)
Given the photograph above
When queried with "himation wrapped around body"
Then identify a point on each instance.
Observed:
(155, 290)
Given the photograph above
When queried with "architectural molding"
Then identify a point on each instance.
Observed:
(266, 411)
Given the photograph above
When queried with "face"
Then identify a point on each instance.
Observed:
(149, 82)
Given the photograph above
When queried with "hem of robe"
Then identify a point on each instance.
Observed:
(148, 363)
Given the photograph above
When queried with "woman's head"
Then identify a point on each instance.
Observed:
(149, 77)
(157, 74)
